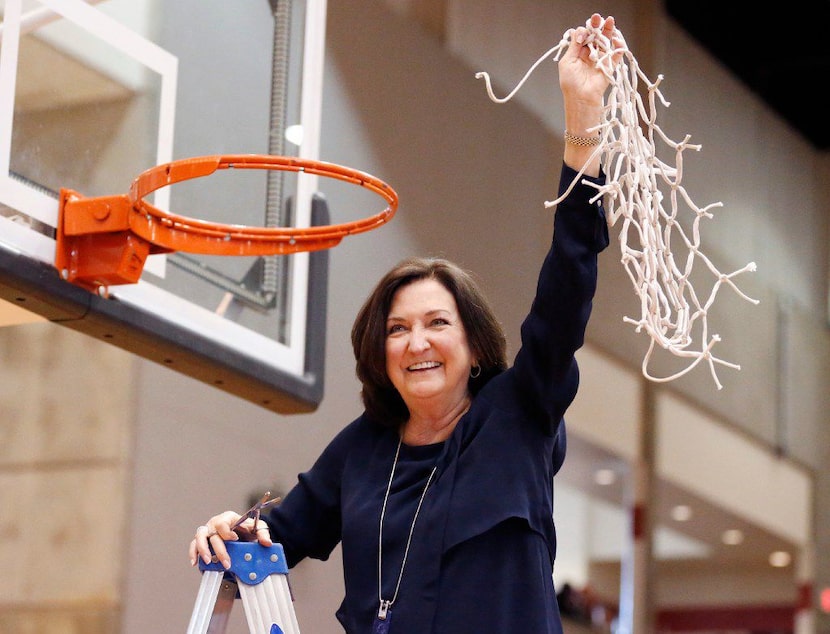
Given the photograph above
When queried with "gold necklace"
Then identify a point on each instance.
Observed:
(384, 612)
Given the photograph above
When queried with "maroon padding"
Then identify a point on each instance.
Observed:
(759, 619)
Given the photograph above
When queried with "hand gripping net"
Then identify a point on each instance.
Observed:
(671, 310)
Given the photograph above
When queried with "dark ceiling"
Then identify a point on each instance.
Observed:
(781, 54)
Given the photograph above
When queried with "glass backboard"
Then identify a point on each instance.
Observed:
(92, 95)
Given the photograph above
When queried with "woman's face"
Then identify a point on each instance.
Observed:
(427, 355)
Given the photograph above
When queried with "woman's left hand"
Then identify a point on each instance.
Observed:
(210, 538)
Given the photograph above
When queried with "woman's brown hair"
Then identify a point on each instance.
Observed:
(485, 335)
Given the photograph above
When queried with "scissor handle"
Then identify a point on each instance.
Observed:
(255, 511)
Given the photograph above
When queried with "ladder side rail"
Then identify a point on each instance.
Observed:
(205, 602)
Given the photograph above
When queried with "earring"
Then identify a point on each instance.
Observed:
(475, 372)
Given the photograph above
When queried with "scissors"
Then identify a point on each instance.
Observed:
(255, 511)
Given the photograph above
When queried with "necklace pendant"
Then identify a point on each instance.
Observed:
(383, 618)
(383, 610)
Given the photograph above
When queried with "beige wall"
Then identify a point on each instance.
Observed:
(65, 468)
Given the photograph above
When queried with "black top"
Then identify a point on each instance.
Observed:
(481, 558)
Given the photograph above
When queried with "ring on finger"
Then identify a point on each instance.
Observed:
(210, 533)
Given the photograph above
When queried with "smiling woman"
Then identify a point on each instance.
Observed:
(440, 492)
(428, 360)
(424, 301)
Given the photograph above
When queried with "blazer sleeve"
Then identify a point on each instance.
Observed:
(545, 366)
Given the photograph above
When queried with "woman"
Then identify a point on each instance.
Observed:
(441, 492)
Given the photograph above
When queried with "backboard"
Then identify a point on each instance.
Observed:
(94, 93)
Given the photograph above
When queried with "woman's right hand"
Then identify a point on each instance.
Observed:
(210, 538)
(583, 85)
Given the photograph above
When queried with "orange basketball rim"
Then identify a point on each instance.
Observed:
(105, 240)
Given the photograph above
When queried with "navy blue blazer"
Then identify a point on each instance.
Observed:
(482, 551)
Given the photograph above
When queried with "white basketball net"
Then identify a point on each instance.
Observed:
(671, 310)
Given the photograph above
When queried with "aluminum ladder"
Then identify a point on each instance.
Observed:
(259, 576)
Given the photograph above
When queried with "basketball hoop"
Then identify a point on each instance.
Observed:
(105, 240)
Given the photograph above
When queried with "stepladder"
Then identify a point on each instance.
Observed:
(258, 576)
